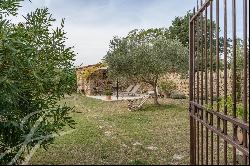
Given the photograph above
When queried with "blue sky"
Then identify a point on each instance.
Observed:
(91, 24)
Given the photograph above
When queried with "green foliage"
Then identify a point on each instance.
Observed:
(108, 92)
(90, 70)
(9, 7)
(167, 87)
(36, 71)
(145, 55)
(229, 104)
(177, 95)
(180, 29)
(239, 67)
(72, 78)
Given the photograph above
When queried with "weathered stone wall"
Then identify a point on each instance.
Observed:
(96, 79)
(182, 83)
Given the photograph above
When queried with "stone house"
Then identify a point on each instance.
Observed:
(91, 79)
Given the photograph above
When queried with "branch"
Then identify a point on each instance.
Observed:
(147, 81)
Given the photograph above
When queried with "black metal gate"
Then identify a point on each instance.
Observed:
(219, 83)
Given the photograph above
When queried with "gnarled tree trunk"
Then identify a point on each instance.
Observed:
(155, 94)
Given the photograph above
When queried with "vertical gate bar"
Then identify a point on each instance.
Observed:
(206, 59)
(225, 80)
(195, 73)
(202, 56)
(212, 140)
(198, 138)
(211, 53)
(217, 77)
(194, 29)
(197, 57)
(217, 55)
(198, 80)
(194, 125)
(192, 160)
(191, 55)
(234, 76)
(202, 59)
(211, 73)
(206, 84)
(245, 76)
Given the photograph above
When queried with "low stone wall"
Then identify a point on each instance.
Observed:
(182, 83)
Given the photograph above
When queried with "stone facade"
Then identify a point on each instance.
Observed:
(96, 79)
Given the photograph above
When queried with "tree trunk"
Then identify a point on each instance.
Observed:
(155, 95)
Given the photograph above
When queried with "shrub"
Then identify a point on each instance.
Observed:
(177, 95)
(167, 87)
(36, 71)
(229, 104)
(108, 92)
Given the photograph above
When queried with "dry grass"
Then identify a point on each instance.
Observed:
(107, 133)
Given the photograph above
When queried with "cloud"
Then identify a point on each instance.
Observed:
(91, 24)
(47, 3)
(91, 44)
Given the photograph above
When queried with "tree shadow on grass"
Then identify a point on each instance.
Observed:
(138, 162)
(162, 107)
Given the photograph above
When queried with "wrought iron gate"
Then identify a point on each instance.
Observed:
(219, 129)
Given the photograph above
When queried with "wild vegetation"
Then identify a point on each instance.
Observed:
(36, 71)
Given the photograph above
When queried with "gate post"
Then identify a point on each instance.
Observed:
(191, 56)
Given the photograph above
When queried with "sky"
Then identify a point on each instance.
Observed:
(91, 24)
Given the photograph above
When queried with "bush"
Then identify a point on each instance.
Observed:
(177, 95)
(108, 92)
(36, 71)
(167, 87)
(229, 104)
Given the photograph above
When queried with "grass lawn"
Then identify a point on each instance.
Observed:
(107, 133)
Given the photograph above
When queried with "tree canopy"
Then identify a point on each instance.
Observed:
(145, 55)
(180, 29)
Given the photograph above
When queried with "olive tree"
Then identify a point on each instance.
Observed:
(146, 55)
(35, 73)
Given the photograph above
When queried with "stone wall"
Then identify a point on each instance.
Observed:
(95, 82)
(182, 83)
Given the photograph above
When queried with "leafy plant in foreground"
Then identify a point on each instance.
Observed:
(35, 73)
